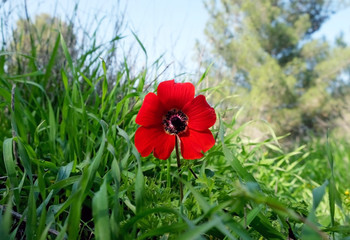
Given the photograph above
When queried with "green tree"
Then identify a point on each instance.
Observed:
(264, 52)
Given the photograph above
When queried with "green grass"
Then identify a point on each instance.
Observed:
(70, 170)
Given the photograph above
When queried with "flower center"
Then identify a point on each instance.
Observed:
(175, 122)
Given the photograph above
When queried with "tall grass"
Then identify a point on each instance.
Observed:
(70, 170)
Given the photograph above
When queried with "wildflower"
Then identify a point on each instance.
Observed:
(347, 192)
(174, 113)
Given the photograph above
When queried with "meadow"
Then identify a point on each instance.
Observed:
(69, 168)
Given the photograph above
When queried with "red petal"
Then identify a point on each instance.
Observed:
(200, 115)
(148, 139)
(175, 95)
(151, 111)
(164, 146)
(195, 142)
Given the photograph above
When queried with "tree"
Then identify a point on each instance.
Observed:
(264, 52)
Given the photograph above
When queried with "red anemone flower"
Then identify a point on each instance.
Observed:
(174, 111)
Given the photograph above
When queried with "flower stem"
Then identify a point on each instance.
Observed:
(194, 175)
(179, 166)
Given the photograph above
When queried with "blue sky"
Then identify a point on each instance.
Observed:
(174, 26)
(170, 27)
(164, 27)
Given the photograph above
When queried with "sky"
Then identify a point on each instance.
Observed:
(174, 27)
(163, 26)
(169, 27)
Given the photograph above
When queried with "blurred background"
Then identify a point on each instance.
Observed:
(285, 63)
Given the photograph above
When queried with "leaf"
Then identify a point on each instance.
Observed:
(263, 225)
(64, 183)
(6, 220)
(333, 194)
(219, 222)
(317, 194)
(141, 45)
(33, 84)
(65, 82)
(64, 171)
(17, 78)
(197, 231)
(236, 165)
(51, 61)
(139, 190)
(104, 87)
(132, 221)
(251, 215)
(205, 73)
(31, 215)
(84, 184)
(100, 213)
(52, 125)
(66, 54)
(10, 167)
(24, 157)
(173, 228)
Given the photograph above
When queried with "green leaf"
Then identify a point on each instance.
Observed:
(64, 183)
(52, 60)
(198, 231)
(101, 214)
(333, 194)
(53, 129)
(140, 43)
(104, 86)
(10, 167)
(139, 190)
(17, 78)
(205, 73)
(263, 225)
(317, 194)
(173, 229)
(237, 166)
(6, 219)
(24, 157)
(65, 82)
(66, 54)
(132, 221)
(116, 171)
(31, 216)
(84, 185)
(251, 215)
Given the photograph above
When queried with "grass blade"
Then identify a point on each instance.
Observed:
(11, 168)
(141, 45)
(139, 190)
(100, 213)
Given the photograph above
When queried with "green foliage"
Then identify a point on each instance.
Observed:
(78, 174)
(264, 52)
(69, 168)
(39, 41)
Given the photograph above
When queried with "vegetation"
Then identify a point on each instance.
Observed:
(265, 53)
(69, 168)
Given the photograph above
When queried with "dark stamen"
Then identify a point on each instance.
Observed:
(175, 122)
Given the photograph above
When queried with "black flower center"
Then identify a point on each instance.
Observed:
(175, 122)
